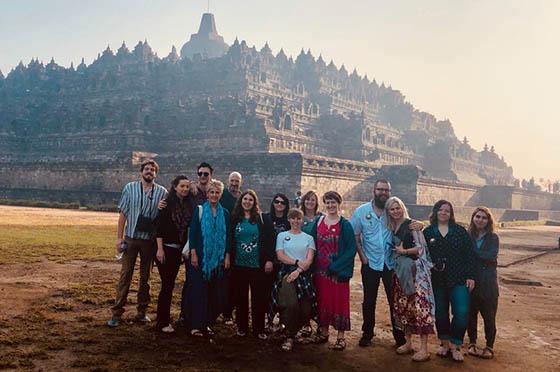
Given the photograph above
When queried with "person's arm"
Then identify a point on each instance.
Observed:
(282, 257)
(120, 231)
(357, 226)
(228, 240)
(469, 257)
(490, 253)
(194, 239)
(345, 258)
(160, 254)
(416, 225)
(306, 264)
(268, 241)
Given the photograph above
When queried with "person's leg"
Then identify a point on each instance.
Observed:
(258, 301)
(231, 295)
(241, 282)
(387, 277)
(197, 299)
(147, 252)
(184, 296)
(441, 299)
(459, 298)
(127, 269)
(370, 282)
(473, 319)
(164, 297)
(488, 310)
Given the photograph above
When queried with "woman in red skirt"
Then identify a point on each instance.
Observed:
(334, 265)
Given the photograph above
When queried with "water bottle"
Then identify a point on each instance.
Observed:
(122, 249)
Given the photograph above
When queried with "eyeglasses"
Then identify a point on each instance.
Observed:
(382, 190)
(203, 174)
(279, 202)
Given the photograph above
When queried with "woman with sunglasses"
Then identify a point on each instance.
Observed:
(278, 219)
(252, 253)
(171, 236)
(484, 298)
(452, 255)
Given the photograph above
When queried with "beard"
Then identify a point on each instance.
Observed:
(379, 201)
(148, 178)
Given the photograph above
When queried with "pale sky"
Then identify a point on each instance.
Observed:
(490, 66)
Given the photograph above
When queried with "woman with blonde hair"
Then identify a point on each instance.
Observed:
(413, 297)
(484, 297)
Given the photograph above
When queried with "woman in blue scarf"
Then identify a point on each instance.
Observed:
(209, 241)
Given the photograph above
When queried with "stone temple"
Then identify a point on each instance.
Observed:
(78, 133)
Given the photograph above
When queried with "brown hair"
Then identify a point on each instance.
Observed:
(435, 209)
(294, 213)
(237, 214)
(308, 196)
(151, 162)
(489, 227)
(332, 195)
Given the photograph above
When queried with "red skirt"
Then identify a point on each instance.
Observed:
(333, 302)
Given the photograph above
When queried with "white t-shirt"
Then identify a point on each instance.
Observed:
(294, 246)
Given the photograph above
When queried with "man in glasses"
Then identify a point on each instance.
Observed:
(204, 173)
(373, 240)
(232, 192)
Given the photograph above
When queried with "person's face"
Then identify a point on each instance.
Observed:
(331, 206)
(295, 222)
(279, 204)
(247, 202)
(396, 212)
(204, 175)
(444, 213)
(214, 195)
(149, 173)
(310, 203)
(183, 188)
(480, 220)
(234, 183)
(382, 192)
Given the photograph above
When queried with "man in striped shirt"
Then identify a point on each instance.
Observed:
(138, 210)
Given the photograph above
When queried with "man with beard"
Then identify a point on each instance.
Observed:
(138, 209)
(373, 240)
(232, 192)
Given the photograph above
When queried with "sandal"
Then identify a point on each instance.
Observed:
(405, 349)
(197, 333)
(473, 350)
(320, 338)
(443, 351)
(339, 345)
(457, 354)
(486, 353)
(210, 332)
(421, 356)
(288, 345)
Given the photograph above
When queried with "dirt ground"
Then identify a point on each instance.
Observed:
(53, 314)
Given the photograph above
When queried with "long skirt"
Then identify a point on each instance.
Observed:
(413, 313)
(333, 302)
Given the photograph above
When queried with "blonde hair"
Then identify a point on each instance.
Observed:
(388, 204)
(215, 184)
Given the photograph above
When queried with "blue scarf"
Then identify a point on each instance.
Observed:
(214, 239)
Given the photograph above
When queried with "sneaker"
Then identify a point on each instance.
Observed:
(262, 336)
(114, 322)
(241, 333)
(288, 345)
(228, 321)
(306, 331)
(364, 342)
(168, 329)
(142, 318)
(405, 349)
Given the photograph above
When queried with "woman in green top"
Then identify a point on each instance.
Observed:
(252, 252)
(310, 209)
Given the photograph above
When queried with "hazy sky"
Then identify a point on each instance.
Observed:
(490, 66)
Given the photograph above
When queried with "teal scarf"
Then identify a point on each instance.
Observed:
(214, 239)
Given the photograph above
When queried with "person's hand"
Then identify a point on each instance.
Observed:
(226, 261)
(268, 267)
(162, 204)
(118, 246)
(416, 226)
(399, 249)
(470, 284)
(160, 255)
(364, 259)
(304, 265)
(194, 259)
(293, 276)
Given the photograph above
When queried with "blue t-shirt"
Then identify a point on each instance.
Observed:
(295, 246)
(247, 244)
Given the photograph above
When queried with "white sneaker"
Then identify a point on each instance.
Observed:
(168, 329)
(457, 354)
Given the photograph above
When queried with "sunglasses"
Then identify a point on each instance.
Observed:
(280, 202)
(203, 174)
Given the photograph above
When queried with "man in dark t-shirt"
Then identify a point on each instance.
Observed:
(232, 192)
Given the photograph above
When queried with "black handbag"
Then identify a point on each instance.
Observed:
(145, 223)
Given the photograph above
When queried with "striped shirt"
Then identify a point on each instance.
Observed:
(132, 199)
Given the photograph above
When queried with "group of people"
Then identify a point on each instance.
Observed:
(297, 263)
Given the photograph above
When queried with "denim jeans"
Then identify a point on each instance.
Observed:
(458, 297)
